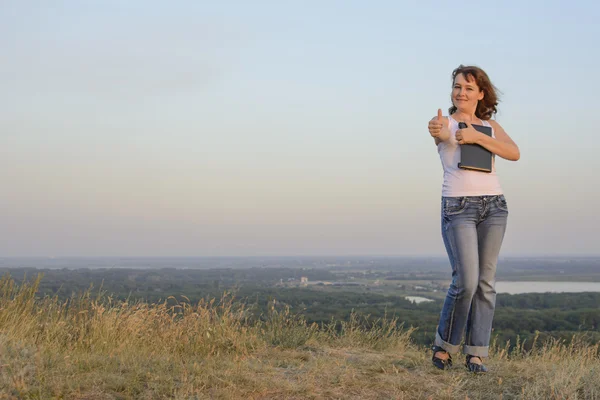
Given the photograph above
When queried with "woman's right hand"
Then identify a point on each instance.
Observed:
(438, 127)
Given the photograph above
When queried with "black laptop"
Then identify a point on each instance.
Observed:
(474, 156)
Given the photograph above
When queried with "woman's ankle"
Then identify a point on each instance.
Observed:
(474, 359)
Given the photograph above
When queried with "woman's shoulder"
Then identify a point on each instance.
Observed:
(494, 123)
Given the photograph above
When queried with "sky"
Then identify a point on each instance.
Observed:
(236, 128)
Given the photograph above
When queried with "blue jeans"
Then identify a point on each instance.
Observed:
(473, 229)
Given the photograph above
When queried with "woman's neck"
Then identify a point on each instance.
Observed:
(464, 116)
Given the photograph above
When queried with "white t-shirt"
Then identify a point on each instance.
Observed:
(461, 182)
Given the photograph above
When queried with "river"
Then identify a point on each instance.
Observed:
(517, 287)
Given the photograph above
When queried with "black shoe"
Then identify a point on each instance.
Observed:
(438, 362)
(477, 368)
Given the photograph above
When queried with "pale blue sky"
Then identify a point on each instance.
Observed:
(191, 128)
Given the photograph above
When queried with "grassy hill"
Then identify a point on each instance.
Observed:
(95, 347)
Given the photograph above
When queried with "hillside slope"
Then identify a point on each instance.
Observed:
(92, 347)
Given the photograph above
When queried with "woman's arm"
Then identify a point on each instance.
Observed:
(502, 145)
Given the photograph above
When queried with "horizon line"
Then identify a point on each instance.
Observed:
(536, 255)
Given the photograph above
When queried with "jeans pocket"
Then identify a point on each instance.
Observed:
(454, 205)
(501, 203)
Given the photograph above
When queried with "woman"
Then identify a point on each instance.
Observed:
(474, 215)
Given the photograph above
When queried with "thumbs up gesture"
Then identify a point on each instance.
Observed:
(438, 127)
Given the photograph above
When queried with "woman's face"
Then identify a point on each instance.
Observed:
(466, 94)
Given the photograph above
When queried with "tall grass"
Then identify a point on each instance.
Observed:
(100, 323)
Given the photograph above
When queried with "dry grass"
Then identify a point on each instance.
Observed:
(97, 348)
